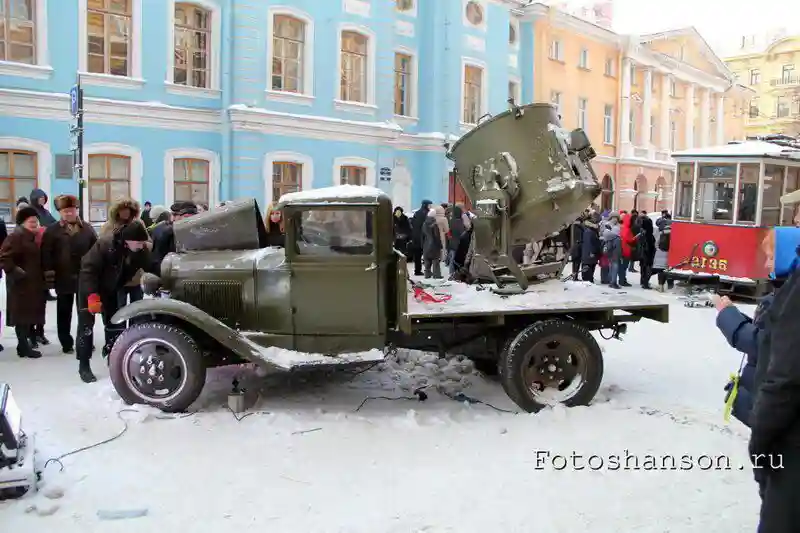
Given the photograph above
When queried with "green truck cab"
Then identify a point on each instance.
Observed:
(338, 294)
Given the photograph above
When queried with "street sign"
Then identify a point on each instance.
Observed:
(74, 100)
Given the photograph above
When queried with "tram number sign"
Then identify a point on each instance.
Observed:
(710, 263)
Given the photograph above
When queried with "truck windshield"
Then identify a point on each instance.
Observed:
(333, 232)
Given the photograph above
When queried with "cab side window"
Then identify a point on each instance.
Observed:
(333, 232)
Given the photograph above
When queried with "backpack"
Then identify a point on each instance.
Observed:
(663, 240)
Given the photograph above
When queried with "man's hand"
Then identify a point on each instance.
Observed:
(94, 305)
(721, 302)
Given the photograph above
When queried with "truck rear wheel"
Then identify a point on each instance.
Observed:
(552, 361)
(158, 365)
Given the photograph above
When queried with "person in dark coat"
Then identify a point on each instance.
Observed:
(39, 202)
(164, 236)
(402, 230)
(146, 218)
(105, 269)
(775, 419)
(276, 236)
(611, 235)
(457, 230)
(417, 221)
(21, 260)
(646, 250)
(432, 247)
(63, 246)
(591, 248)
(576, 245)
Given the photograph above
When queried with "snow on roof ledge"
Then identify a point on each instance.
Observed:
(741, 149)
(324, 194)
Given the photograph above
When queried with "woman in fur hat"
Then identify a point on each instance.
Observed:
(21, 260)
(123, 212)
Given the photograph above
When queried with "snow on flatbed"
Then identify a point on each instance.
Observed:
(553, 295)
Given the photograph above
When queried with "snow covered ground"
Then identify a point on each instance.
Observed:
(307, 461)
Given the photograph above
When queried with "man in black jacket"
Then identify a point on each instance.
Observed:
(417, 221)
(775, 419)
(111, 263)
(164, 234)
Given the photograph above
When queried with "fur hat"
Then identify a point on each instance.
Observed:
(135, 231)
(65, 201)
(183, 208)
(25, 213)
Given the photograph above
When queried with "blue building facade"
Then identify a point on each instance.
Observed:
(218, 99)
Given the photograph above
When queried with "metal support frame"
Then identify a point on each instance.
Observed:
(736, 185)
(695, 175)
(760, 199)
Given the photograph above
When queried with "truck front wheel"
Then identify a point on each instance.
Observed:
(158, 365)
(552, 361)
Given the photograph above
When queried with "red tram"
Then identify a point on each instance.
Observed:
(732, 215)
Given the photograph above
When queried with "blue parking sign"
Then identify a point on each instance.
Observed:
(73, 100)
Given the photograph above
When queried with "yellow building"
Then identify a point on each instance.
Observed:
(638, 97)
(771, 74)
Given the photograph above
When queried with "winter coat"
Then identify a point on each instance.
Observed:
(432, 244)
(628, 238)
(661, 257)
(62, 252)
(3, 232)
(45, 217)
(576, 240)
(275, 237)
(114, 222)
(646, 244)
(402, 230)
(417, 221)
(109, 265)
(591, 245)
(457, 228)
(610, 235)
(163, 237)
(21, 260)
(441, 222)
(146, 218)
(461, 257)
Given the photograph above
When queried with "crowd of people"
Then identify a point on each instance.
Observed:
(96, 272)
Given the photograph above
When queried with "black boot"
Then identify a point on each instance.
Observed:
(85, 372)
(24, 347)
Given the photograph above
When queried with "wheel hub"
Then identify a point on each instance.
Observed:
(154, 369)
(553, 363)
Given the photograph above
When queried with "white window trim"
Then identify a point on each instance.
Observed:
(472, 62)
(485, 8)
(556, 53)
(306, 178)
(608, 140)
(581, 63)
(609, 68)
(583, 113)
(44, 159)
(306, 97)
(413, 116)
(191, 153)
(136, 170)
(368, 108)
(340, 162)
(515, 23)
(134, 81)
(518, 88)
(42, 69)
(216, 50)
(408, 13)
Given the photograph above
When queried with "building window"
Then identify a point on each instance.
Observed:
(754, 108)
(787, 74)
(352, 175)
(608, 124)
(354, 52)
(286, 177)
(17, 31)
(404, 5)
(512, 34)
(109, 180)
(632, 129)
(782, 106)
(556, 51)
(607, 194)
(192, 46)
(402, 84)
(288, 45)
(755, 76)
(583, 106)
(513, 91)
(109, 37)
(555, 99)
(191, 179)
(673, 88)
(474, 12)
(673, 134)
(609, 68)
(583, 59)
(473, 94)
(796, 105)
(17, 178)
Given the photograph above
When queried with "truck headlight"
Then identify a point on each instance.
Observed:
(10, 420)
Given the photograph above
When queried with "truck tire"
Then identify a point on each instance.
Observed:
(571, 351)
(152, 355)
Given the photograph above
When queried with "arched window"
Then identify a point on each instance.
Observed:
(607, 194)
(191, 178)
(640, 186)
(660, 201)
(352, 175)
(18, 171)
(109, 180)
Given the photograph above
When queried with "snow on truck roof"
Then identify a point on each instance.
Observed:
(339, 193)
(754, 148)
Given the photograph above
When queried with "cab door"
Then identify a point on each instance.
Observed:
(335, 282)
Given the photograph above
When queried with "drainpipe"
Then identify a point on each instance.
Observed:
(227, 100)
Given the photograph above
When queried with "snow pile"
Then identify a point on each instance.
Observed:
(413, 370)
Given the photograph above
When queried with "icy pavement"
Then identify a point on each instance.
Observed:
(308, 461)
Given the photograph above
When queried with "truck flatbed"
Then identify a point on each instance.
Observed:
(550, 297)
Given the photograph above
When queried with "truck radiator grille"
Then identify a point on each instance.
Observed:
(220, 299)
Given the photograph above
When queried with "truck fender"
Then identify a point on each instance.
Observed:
(228, 337)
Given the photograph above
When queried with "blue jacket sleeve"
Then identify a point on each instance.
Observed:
(739, 331)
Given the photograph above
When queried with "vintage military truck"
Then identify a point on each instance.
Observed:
(338, 293)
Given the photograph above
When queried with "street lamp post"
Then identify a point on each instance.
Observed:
(76, 138)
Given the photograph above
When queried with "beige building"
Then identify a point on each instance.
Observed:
(770, 71)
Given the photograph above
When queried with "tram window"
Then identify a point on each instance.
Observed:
(684, 200)
(771, 201)
(789, 211)
(748, 193)
(715, 184)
